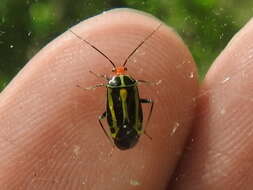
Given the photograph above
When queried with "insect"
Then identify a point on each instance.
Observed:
(123, 105)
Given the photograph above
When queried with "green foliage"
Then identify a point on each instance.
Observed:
(41, 14)
(26, 26)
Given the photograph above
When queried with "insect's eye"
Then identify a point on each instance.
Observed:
(113, 69)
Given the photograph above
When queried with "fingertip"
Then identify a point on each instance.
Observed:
(163, 57)
(57, 115)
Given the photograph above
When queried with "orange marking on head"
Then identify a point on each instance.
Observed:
(120, 70)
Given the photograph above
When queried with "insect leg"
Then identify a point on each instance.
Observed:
(91, 87)
(103, 116)
(149, 82)
(100, 75)
(148, 101)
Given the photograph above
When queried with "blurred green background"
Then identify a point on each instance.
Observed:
(27, 25)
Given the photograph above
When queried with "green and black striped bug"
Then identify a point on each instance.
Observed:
(123, 105)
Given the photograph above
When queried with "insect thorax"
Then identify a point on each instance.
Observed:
(121, 81)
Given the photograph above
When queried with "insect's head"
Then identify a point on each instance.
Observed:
(121, 70)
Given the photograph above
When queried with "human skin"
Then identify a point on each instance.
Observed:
(219, 152)
(50, 137)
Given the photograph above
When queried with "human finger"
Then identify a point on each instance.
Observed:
(51, 137)
(219, 152)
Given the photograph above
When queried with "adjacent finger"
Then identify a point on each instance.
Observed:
(220, 152)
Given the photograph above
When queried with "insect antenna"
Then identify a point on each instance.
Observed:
(93, 47)
(142, 42)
